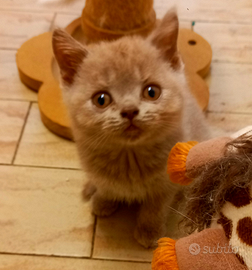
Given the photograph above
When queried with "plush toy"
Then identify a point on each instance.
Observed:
(218, 175)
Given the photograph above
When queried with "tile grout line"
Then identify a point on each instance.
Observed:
(230, 62)
(18, 100)
(223, 22)
(13, 10)
(39, 167)
(229, 112)
(21, 133)
(93, 238)
(71, 257)
(8, 49)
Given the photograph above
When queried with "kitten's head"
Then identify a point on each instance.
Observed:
(126, 90)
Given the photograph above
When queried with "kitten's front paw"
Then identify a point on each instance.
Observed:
(88, 191)
(103, 207)
(147, 236)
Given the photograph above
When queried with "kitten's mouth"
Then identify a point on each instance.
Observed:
(132, 127)
(132, 132)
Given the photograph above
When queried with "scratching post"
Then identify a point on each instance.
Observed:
(109, 19)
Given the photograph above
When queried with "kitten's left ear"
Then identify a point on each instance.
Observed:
(69, 54)
(165, 36)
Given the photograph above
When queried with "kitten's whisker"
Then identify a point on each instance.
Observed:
(182, 214)
(114, 122)
(147, 119)
(94, 141)
(102, 140)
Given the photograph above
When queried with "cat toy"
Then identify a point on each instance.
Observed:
(104, 20)
(218, 176)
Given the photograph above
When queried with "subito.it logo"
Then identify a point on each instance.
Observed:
(194, 249)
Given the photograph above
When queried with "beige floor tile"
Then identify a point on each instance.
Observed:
(12, 117)
(114, 238)
(68, 6)
(185, 24)
(40, 147)
(230, 88)
(62, 20)
(17, 27)
(42, 212)
(10, 84)
(14, 262)
(230, 42)
(227, 123)
(205, 10)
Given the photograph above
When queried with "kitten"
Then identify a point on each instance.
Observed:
(129, 103)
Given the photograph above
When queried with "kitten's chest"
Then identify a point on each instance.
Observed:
(127, 168)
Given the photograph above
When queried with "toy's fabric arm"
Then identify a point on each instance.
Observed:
(206, 250)
(185, 157)
(215, 252)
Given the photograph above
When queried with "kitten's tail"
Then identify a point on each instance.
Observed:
(88, 191)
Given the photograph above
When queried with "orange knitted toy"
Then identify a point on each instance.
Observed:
(177, 163)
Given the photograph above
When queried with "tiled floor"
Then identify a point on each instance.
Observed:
(44, 224)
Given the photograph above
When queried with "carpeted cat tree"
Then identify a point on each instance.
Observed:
(104, 20)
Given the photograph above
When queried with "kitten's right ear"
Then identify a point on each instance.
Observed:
(165, 37)
(69, 54)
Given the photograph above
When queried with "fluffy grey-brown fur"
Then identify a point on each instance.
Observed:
(129, 165)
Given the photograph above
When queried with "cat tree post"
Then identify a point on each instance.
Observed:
(112, 19)
(103, 20)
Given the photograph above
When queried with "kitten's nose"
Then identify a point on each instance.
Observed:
(129, 112)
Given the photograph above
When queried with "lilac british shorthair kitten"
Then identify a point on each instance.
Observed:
(129, 103)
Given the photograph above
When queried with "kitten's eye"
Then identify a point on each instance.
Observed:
(151, 92)
(102, 100)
